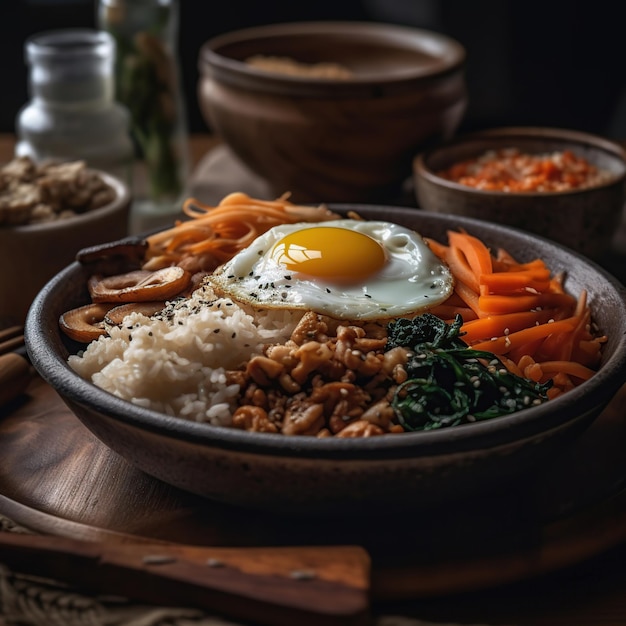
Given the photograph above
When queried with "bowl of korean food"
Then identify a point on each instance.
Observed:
(48, 212)
(331, 358)
(562, 184)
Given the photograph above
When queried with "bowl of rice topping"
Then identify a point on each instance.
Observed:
(49, 211)
(563, 184)
(247, 357)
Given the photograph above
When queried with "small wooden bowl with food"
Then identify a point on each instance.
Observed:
(48, 212)
(562, 184)
(332, 359)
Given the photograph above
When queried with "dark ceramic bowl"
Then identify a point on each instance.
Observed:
(585, 219)
(322, 139)
(330, 475)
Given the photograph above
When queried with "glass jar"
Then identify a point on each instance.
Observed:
(72, 114)
(148, 84)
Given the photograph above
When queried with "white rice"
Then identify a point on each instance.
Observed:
(175, 362)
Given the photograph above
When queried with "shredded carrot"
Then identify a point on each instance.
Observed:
(221, 231)
(519, 311)
(501, 325)
(502, 345)
(477, 254)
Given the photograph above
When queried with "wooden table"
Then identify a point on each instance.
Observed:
(566, 565)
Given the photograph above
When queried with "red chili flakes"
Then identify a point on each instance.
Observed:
(509, 169)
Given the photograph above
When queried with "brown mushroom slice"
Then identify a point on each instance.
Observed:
(85, 323)
(139, 285)
(115, 257)
(117, 314)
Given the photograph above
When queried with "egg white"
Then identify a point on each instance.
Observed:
(411, 281)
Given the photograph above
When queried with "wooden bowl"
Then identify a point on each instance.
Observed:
(32, 254)
(331, 475)
(583, 219)
(341, 140)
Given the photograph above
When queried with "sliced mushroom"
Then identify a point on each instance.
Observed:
(139, 285)
(114, 257)
(117, 314)
(85, 323)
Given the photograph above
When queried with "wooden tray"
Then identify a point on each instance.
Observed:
(57, 478)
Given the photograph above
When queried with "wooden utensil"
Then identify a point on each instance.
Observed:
(274, 586)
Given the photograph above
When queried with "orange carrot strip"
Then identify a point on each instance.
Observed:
(460, 267)
(497, 304)
(529, 349)
(497, 325)
(476, 252)
(502, 345)
(438, 249)
(469, 296)
(507, 282)
(571, 368)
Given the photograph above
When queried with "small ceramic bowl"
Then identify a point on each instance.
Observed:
(30, 255)
(320, 137)
(584, 219)
(310, 475)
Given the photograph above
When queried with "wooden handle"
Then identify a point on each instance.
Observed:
(278, 586)
(15, 374)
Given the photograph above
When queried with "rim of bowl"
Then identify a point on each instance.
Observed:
(42, 335)
(448, 55)
(122, 198)
(499, 136)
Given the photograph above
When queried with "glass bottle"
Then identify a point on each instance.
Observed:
(148, 84)
(72, 114)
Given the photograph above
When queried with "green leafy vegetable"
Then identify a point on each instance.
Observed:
(449, 383)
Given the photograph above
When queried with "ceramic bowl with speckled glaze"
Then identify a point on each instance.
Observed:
(305, 474)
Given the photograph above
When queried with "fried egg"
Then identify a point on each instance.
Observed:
(346, 269)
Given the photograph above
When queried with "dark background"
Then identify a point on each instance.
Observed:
(551, 63)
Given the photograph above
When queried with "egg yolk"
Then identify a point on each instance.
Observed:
(330, 253)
